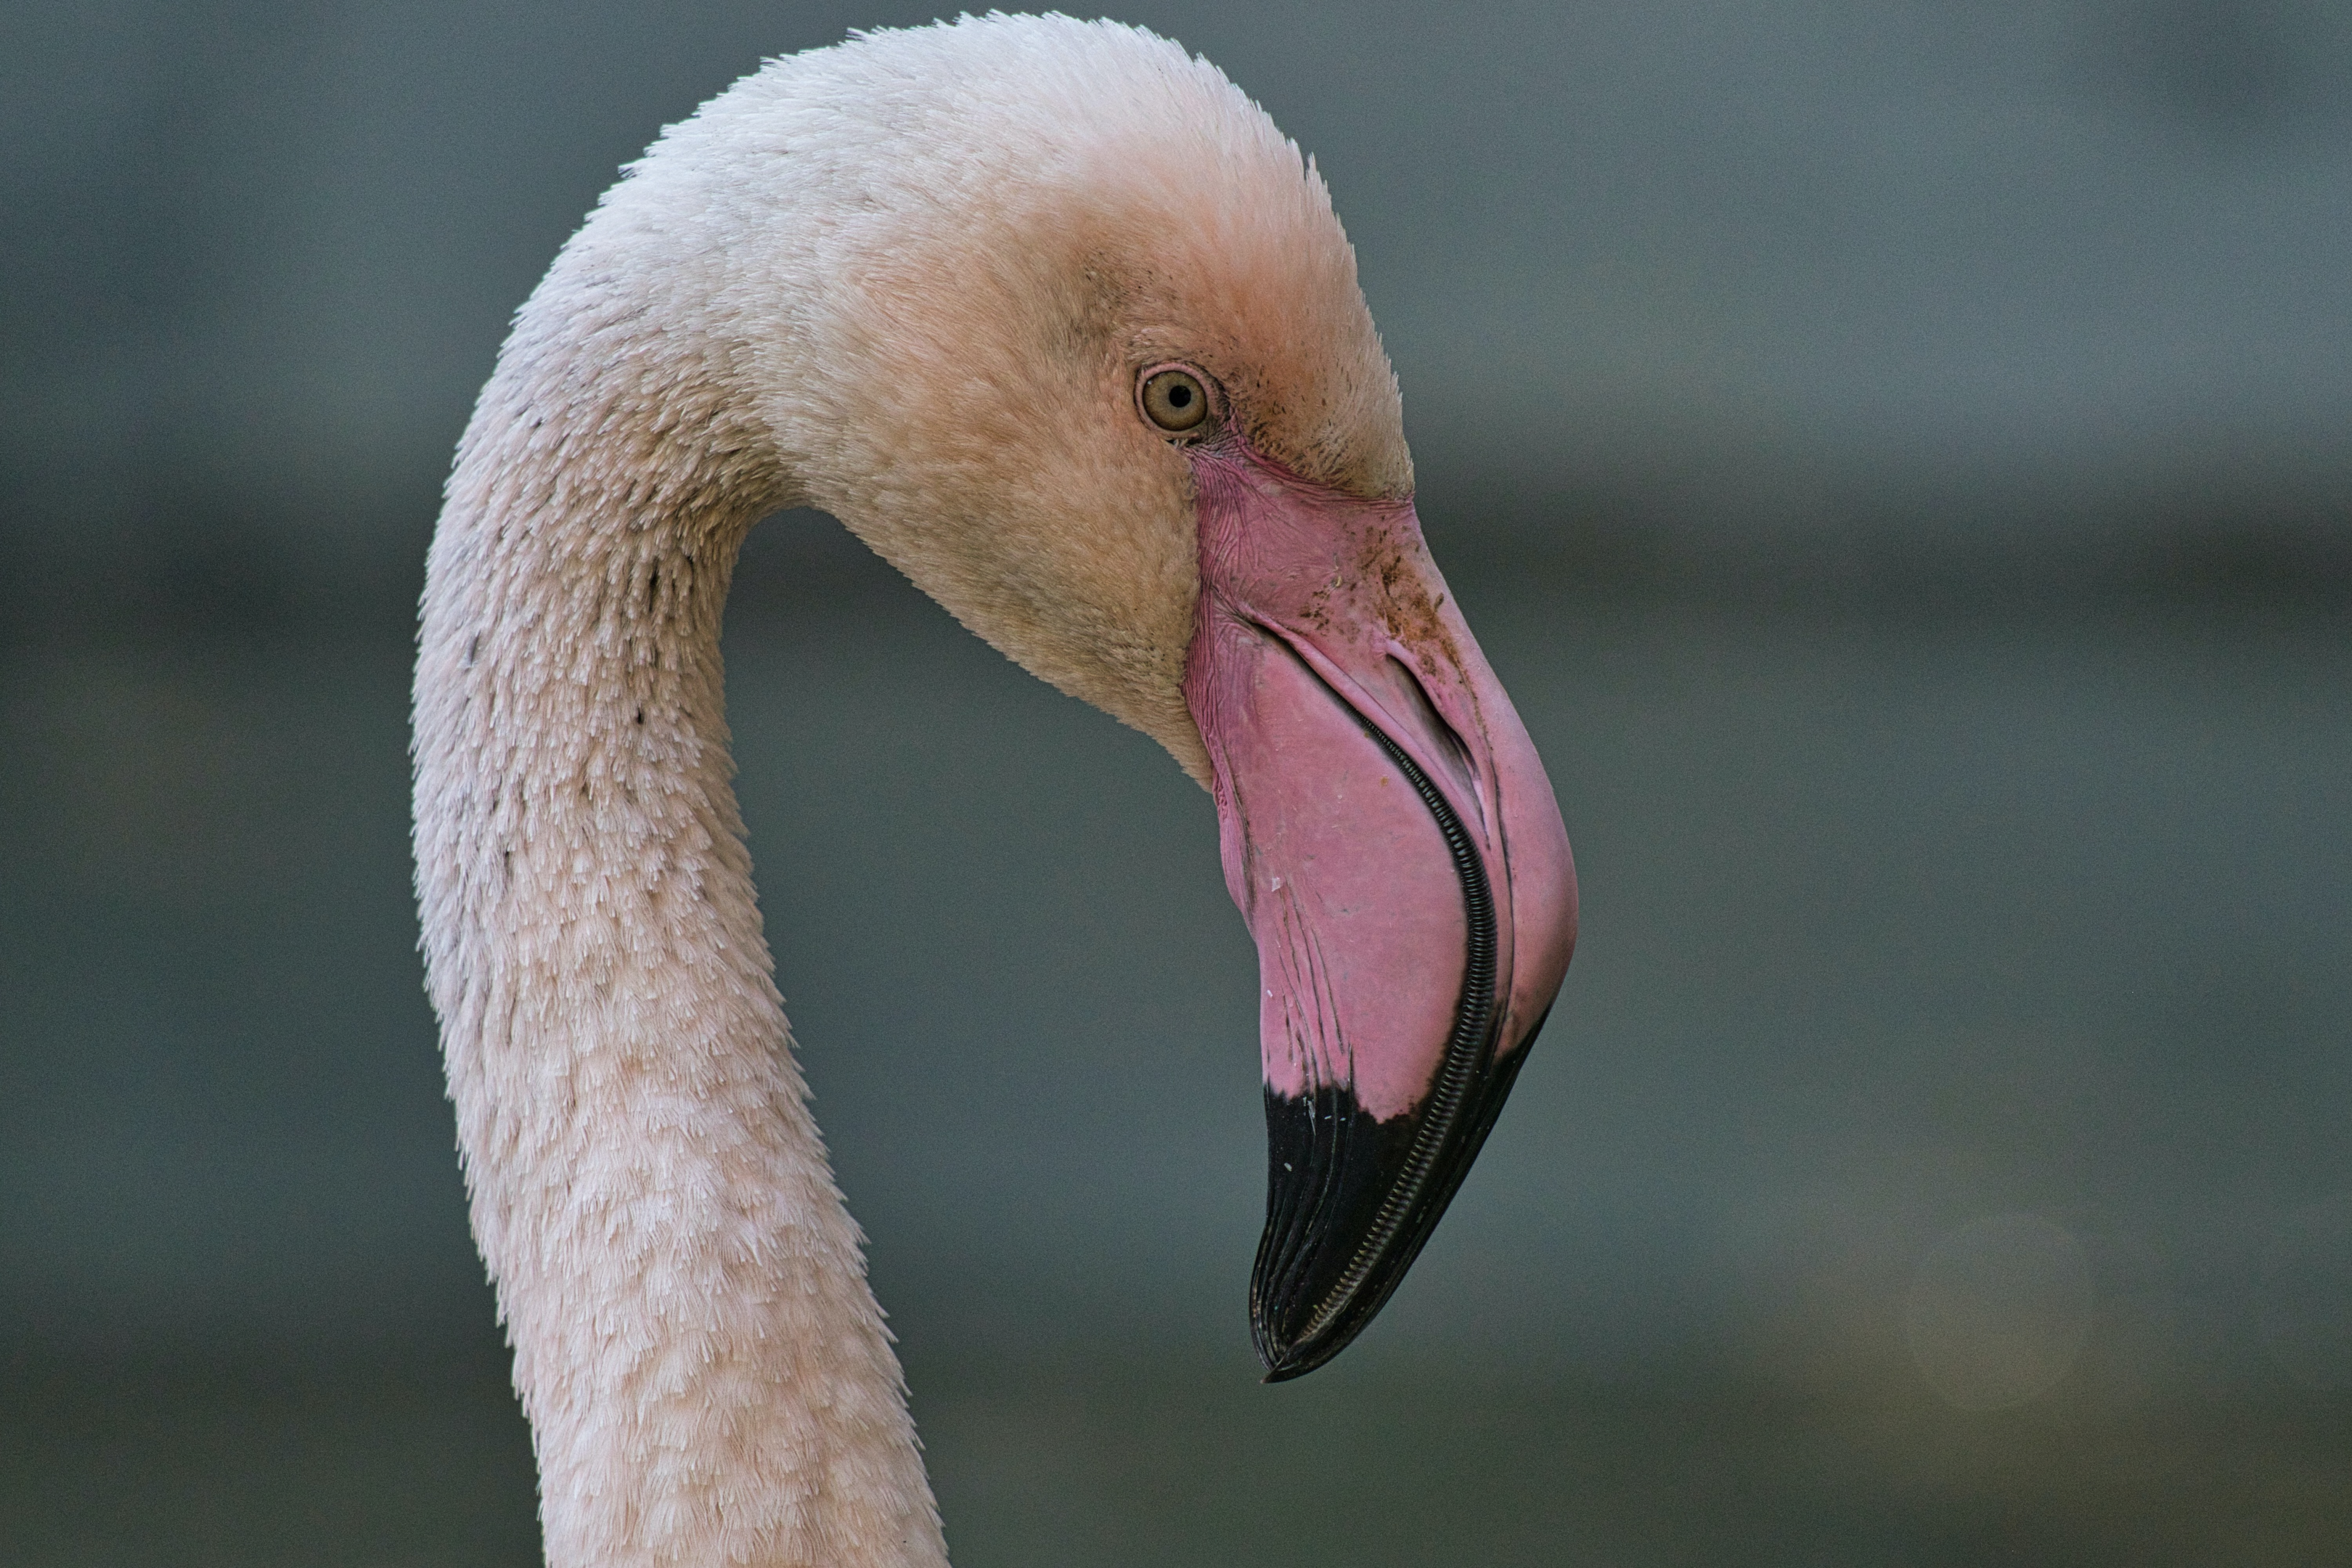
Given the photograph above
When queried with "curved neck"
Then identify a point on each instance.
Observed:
(706, 1373)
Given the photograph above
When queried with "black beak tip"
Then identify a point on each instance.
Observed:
(1338, 1239)
(1285, 1361)
(1292, 1349)
(1291, 1364)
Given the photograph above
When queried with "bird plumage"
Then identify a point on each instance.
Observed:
(908, 280)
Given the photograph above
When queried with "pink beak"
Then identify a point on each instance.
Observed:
(1392, 841)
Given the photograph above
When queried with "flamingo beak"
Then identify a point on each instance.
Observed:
(1391, 837)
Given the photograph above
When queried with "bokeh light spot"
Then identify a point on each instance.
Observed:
(1999, 1310)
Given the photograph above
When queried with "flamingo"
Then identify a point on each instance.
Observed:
(1052, 316)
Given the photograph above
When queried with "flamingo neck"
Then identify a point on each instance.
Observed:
(705, 1370)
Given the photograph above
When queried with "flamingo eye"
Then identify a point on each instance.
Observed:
(1175, 401)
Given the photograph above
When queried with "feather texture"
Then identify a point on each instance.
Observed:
(909, 279)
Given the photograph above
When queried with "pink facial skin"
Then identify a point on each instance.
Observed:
(1321, 613)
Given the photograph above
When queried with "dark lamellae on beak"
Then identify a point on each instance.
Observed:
(1350, 1199)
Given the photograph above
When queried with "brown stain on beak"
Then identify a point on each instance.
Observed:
(1394, 561)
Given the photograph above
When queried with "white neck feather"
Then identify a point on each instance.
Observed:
(706, 1373)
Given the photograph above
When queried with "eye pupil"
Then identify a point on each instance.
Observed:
(1175, 401)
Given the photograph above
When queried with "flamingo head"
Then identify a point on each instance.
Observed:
(1093, 368)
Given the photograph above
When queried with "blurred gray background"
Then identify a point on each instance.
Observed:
(1898, 457)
